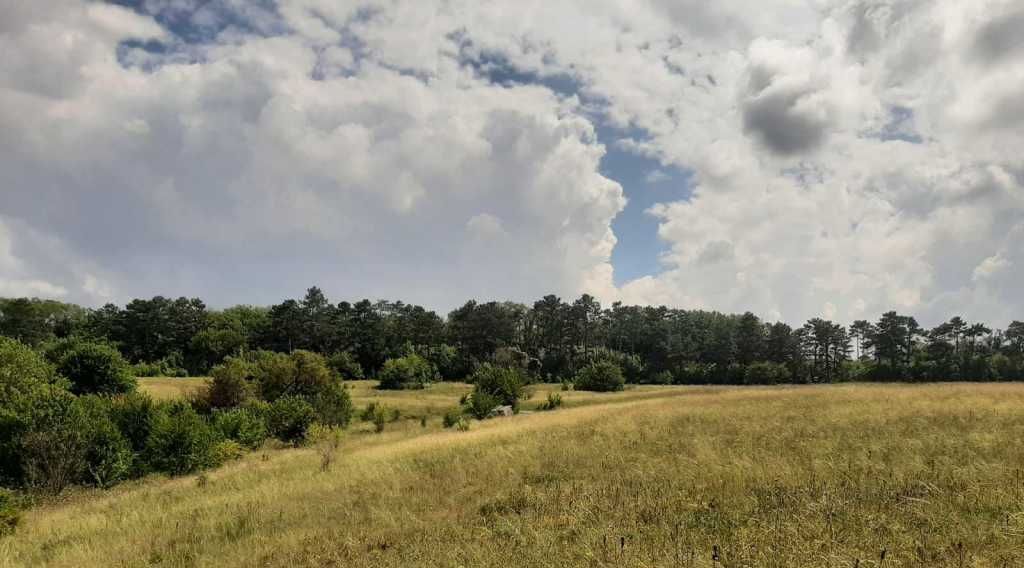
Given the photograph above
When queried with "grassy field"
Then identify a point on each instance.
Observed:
(852, 475)
(169, 388)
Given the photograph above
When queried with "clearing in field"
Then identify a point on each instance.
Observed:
(850, 475)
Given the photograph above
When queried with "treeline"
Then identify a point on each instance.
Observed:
(552, 339)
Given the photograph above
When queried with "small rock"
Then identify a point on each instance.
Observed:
(505, 410)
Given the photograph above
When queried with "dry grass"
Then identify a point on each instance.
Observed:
(170, 388)
(827, 476)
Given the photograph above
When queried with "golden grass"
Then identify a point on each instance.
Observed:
(170, 388)
(812, 476)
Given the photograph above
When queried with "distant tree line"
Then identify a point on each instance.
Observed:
(552, 340)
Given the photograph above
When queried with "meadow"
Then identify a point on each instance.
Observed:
(841, 475)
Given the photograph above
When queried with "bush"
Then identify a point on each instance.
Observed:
(600, 376)
(302, 373)
(231, 384)
(10, 512)
(211, 346)
(380, 418)
(91, 367)
(289, 417)
(27, 384)
(693, 374)
(766, 373)
(107, 453)
(480, 404)
(180, 441)
(247, 426)
(450, 364)
(169, 366)
(632, 366)
(345, 366)
(513, 358)
(408, 372)
(1005, 368)
(50, 449)
(554, 401)
(225, 451)
(379, 414)
(452, 417)
(504, 384)
(133, 414)
(333, 405)
(660, 378)
(23, 371)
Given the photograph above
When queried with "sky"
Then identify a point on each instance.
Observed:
(835, 158)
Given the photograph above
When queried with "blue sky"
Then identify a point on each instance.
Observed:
(645, 182)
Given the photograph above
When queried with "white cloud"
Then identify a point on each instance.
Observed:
(198, 176)
(850, 156)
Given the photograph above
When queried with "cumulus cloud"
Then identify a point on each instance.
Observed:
(849, 157)
(275, 163)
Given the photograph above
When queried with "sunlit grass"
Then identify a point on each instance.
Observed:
(171, 388)
(851, 475)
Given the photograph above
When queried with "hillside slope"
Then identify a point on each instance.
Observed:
(816, 476)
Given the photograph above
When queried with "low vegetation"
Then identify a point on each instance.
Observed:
(408, 372)
(73, 418)
(600, 376)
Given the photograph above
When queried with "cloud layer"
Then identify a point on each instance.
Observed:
(849, 157)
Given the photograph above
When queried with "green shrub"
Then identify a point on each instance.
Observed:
(324, 434)
(446, 359)
(660, 378)
(690, 373)
(554, 401)
(29, 389)
(600, 376)
(766, 373)
(212, 346)
(107, 453)
(247, 426)
(379, 414)
(169, 366)
(326, 440)
(408, 372)
(333, 405)
(91, 367)
(345, 366)
(10, 512)
(133, 413)
(504, 384)
(23, 372)
(480, 404)
(180, 441)
(380, 418)
(231, 384)
(51, 449)
(513, 358)
(301, 373)
(631, 365)
(452, 417)
(225, 451)
(289, 418)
